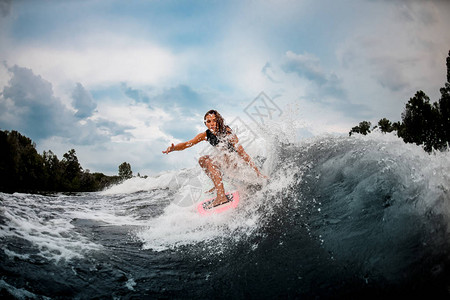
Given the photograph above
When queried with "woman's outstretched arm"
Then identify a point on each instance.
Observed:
(181, 146)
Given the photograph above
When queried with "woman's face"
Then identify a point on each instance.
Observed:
(210, 122)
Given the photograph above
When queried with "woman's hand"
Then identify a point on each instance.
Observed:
(169, 149)
(261, 175)
(258, 173)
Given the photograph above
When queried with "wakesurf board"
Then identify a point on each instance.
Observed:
(204, 207)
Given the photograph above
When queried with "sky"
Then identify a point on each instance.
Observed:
(119, 81)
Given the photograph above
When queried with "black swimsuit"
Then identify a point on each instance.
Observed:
(215, 141)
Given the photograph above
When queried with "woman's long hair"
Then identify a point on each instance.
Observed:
(220, 126)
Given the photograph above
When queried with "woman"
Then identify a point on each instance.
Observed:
(221, 136)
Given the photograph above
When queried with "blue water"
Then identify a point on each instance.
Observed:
(340, 217)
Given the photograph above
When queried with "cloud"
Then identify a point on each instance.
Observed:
(29, 98)
(406, 49)
(5, 7)
(182, 95)
(135, 94)
(411, 12)
(83, 102)
(132, 122)
(96, 59)
(186, 107)
(390, 76)
(304, 78)
(29, 106)
(268, 71)
(112, 128)
(308, 66)
(175, 111)
(305, 65)
(368, 57)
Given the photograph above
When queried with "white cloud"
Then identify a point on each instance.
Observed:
(405, 51)
(97, 61)
(30, 106)
(144, 123)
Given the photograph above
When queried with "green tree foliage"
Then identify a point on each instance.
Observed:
(385, 125)
(420, 122)
(23, 169)
(444, 109)
(20, 164)
(52, 170)
(362, 128)
(72, 170)
(125, 171)
(448, 67)
(397, 126)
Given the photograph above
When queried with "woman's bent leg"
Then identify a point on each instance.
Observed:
(213, 172)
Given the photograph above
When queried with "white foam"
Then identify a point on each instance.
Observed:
(43, 224)
(137, 184)
(182, 225)
(12, 255)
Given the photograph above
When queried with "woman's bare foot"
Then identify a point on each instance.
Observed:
(219, 201)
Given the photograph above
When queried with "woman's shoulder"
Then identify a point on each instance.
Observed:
(201, 135)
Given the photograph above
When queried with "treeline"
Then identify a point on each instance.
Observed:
(23, 169)
(422, 123)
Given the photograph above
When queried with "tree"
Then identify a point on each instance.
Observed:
(385, 125)
(397, 126)
(419, 122)
(448, 67)
(444, 110)
(362, 128)
(125, 171)
(72, 167)
(72, 171)
(23, 169)
(20, 165)
(52, 170)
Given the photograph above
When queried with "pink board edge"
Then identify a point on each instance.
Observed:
(220, 208)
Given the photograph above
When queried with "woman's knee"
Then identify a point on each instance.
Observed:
(204, 160)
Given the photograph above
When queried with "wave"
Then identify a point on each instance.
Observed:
(339, 216)
(368, 211)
